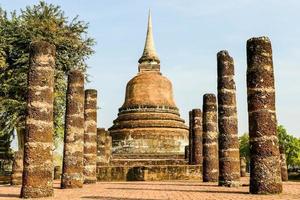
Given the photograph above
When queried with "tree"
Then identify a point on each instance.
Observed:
(39, 22)
(290, 143)
(291, 146)
(245, 147)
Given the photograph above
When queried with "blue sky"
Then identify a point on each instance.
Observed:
(187, 35)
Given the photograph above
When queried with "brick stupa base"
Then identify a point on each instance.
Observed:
(124, 167)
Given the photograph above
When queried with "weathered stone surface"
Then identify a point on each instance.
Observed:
(229, 159)
(210, 139)
(149, 173)
(17, 168)
(243, 166)
(72, 172)
(284, 169)
(197, 140)
(38, 158)
(104, 147)
(90, 136)
(265, 171)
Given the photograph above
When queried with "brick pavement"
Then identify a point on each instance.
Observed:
(181, 190)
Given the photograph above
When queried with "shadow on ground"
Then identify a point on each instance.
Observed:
(179, 190)
(10, 195)
(114, 198)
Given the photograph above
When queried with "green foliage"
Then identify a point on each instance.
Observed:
(290, 143)
(39, 22)
(291, 146)
(245, 147)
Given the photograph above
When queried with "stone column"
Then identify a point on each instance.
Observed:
(284, 169)
(210, 139)
(17, 168)
(243, 166)
(197, 140)
(265, 172)
(90, 136)
(229, 156)
(38, 146)
(190, 137)
(57, 172)
(186, 152)
(104, 147)
(72, 171)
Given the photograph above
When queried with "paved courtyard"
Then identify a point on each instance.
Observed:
(181, 190)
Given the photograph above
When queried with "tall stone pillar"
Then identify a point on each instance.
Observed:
(284, 169)
(104, 147)
(90, 136)
(72, 171)
(38, 146)
(210, 139)
(265, 172)
(17, 168)
(243, 166)
(229, 156)
(197, 140)
(190, 137)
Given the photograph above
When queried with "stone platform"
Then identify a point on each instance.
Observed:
(124, 167)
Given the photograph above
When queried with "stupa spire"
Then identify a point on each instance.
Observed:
(149, 54)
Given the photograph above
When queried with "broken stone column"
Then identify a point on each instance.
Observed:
(90, 136)
(17, 168)
(38, 146)
(72, 172)
(243, 166)
(229, 156)
(284, 169)
(197, 140)
(190, 137)
(265, 171)
(210, 139)
(104, 147)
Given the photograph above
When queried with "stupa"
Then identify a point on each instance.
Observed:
(149, 122)
(148, 136)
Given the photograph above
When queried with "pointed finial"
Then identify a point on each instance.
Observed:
(149, 54)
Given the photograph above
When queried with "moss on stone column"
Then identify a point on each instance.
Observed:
(265, 171)
(90, 136)
(210, 139)
(72, 172)
(38, 147)
(229, 156)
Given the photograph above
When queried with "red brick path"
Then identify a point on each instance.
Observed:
(181, 190)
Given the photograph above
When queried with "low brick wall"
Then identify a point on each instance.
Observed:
(149, 173)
